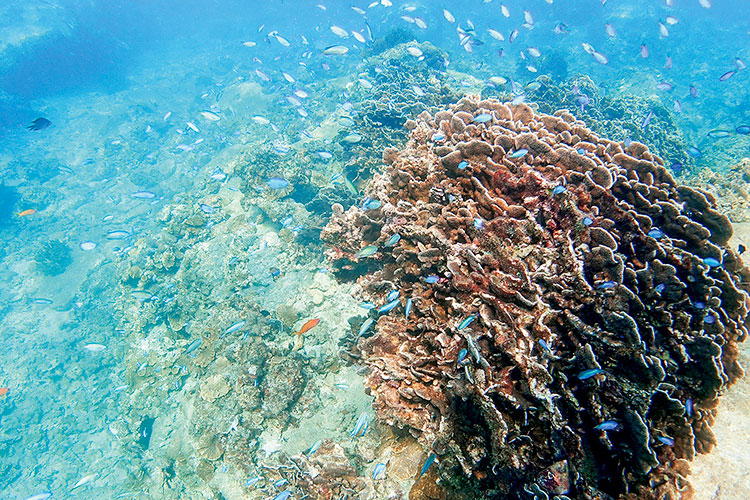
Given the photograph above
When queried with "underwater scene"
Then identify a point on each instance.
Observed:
(386, 249)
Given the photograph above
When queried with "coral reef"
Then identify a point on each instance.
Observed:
(616, 115)
(53, 257)
(730, 187)
(573, 312)
(394, 86)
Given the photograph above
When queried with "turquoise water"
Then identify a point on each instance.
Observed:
(161, 232)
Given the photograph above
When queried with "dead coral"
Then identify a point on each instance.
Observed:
(575, 311)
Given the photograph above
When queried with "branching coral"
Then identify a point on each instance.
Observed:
(575, 312)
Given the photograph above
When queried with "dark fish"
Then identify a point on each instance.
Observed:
(743, 129)
(144, 432)
(677, 167)
(741, 249)
(39, 124)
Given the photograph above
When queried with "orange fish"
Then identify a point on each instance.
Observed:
(4, 391)
(29, 211)
(309, 325)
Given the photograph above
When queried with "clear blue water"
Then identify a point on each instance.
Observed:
(162, 110)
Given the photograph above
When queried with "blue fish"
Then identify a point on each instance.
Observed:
(607, 285)
(438, 137)
(195, 344)
(518, 154)
(689, 407)
(656, 233)
(462, 355)
(694, 152)
(277, 183)
(743, 129)
(365, 326)
(647, 119)
(371, 204)
(407, 308)
(587, 221)
(388, 307)
(660, 288)
(314, 447)
(430, 459)
(463, 164)
(608, 425)
(699, 305)
(252, 481)
(367, 305)
(283, 495)
(581, 151)
(710, 319)
(234, 327)
(432, 278)
(589, 373)
(466, 321)
(666, 440)
(719, 134)
(280, 483)
(361, 426)
(677, 167)
(392, 295)
(483, 118)
(395, 237)
(206, 209)
(478, 224)
(711, 262)
(545, 345)
(377, 471)
(559, 189)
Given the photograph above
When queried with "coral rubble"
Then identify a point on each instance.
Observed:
(575, 312)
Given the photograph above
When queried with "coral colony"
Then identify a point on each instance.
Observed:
(574, 312)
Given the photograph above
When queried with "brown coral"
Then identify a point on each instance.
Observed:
(571, 253)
